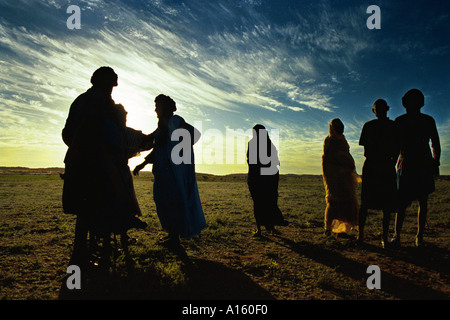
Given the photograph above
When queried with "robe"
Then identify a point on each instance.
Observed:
(97, 180)
(340, 181)
(83, 133)
(264, 188)
(175, 189)
(120, 207)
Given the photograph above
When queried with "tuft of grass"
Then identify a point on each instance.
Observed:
(325, 281)
(171, 274)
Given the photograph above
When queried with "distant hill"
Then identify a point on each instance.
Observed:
(200, 176)
(25, 170)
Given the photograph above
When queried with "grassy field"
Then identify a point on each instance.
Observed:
(226, 261)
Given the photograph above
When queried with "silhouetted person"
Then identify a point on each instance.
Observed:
(379, 179)
(175, 190)
(86, 178)
(263, 186)
(83, 186)
(418, 164)
(340, 181)
(121, 210)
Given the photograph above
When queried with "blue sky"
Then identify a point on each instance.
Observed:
(229, 64)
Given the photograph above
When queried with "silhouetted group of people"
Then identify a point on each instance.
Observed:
(98, 184)
(400, 167)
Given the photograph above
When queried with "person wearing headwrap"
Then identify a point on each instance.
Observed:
(379, 179)
(263, 186)
(418, 164)
(340, 181)
(90, 159)
(121, 210)
(175, 189)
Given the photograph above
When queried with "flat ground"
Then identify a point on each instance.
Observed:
(226, 261)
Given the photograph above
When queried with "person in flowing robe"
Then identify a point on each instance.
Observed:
(175, 189)
(86, 179)
(264, 187)
(83, 189)
(418, 165)
(340, 181)
(379, 178)
(122, 210)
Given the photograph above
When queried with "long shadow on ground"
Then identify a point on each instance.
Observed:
(394, 285)
(203, 280)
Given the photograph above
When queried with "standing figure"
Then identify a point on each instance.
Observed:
(418, 164)
(94, 189)
(379, 179)
(175, 189)
(264, 186)
(83, 133)
(121, 210)
(340, 181)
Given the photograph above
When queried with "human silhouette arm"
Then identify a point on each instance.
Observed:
(139, 167)
(395, 145)
(436, 148)
(148, 142)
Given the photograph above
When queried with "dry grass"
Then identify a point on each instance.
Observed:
(226, 261)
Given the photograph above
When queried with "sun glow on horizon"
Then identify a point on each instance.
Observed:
(254, 62)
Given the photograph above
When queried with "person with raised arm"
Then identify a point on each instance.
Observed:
(175, 189)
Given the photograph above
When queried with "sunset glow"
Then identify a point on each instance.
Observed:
(289, 65)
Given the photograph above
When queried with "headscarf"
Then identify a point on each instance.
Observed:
(336, 127)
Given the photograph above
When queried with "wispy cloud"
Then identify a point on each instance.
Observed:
(228, 63)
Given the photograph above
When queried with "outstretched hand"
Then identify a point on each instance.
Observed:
(137, 169)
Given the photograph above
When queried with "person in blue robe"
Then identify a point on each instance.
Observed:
(175, 189)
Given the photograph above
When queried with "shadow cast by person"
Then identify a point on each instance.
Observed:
(211, 280)
(177, 249)
(98, 276)
(392, 284)
(429, 256)
(201, 280)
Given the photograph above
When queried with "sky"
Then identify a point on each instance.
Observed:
(291, 65)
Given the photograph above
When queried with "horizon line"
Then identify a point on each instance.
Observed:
(203, 173)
